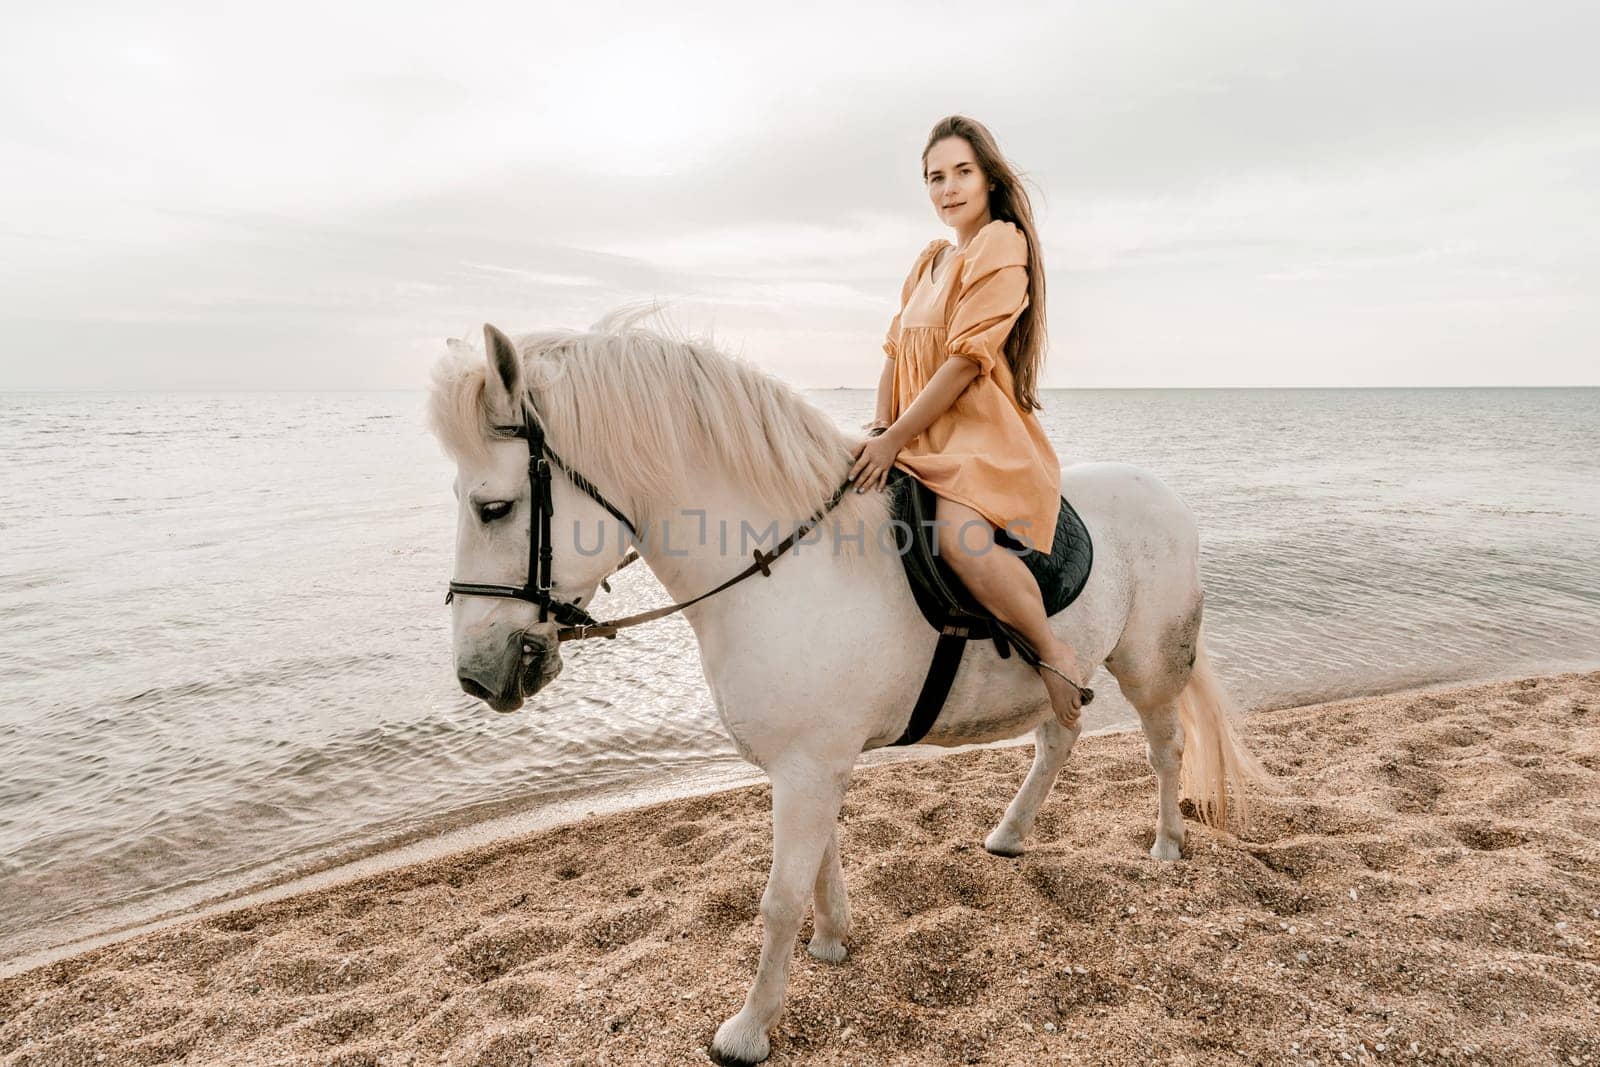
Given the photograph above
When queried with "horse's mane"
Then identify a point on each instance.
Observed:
(643, 412)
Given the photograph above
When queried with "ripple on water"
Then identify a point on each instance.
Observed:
(227, 651)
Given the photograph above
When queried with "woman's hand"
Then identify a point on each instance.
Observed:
(874, 456)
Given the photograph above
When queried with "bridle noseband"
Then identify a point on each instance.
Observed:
(577, 623)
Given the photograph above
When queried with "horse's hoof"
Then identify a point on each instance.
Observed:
(729, 1061)
(1165, 850)
(1003, 844)
(831, 951)
(736, 1046)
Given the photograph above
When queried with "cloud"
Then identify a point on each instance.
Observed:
(1403, 190)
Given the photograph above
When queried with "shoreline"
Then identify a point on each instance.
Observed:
(1426, 888)
(450, 835)
(494, 821)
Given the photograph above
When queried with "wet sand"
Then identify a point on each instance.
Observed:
(1425, 889)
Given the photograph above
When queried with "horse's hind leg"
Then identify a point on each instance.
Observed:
(1052, 744)
(1151, 674)
(1164, 749)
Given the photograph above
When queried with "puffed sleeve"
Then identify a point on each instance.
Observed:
(992, 294)
(891, 342)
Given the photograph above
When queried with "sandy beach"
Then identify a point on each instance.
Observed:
(1425, 889)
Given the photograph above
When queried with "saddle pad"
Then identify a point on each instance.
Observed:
(943, 598)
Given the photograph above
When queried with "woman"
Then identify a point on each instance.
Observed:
(965, 426)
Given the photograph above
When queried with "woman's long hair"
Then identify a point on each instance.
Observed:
(1025, 346)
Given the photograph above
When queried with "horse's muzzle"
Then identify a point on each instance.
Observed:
(527, 663)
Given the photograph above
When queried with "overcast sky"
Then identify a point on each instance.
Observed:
(315, 195)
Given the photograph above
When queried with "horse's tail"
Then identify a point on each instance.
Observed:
(1215, 761)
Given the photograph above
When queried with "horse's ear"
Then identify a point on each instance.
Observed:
(504, 380)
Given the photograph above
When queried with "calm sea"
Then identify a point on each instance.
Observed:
(225, 656)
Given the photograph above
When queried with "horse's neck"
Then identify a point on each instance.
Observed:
(698, 545)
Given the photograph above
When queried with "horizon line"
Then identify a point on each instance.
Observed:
(78, 391)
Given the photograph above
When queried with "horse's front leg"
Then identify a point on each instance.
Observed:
(805, 810)
(831, 905)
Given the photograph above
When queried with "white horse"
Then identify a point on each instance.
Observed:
(823, 659)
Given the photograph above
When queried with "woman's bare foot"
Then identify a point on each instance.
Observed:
(1064, 695)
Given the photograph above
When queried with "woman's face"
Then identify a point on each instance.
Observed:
(957, 186)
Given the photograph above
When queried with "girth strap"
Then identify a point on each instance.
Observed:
(936, 686)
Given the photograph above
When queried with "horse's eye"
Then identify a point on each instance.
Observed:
(497, 509)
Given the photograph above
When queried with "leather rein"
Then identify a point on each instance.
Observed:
(577, 624)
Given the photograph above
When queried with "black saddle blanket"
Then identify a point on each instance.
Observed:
(940, 594)
(951, 609)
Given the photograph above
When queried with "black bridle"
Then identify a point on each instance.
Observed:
(577, 623)
(537, 589)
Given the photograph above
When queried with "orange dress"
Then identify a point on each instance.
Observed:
(984, 451)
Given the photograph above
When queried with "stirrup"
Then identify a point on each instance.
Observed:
(1084, 695)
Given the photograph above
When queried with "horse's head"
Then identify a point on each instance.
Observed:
(503, 653)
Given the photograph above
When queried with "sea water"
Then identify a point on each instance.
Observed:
(225, 656)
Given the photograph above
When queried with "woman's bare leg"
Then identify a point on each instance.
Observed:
(1002, 583)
